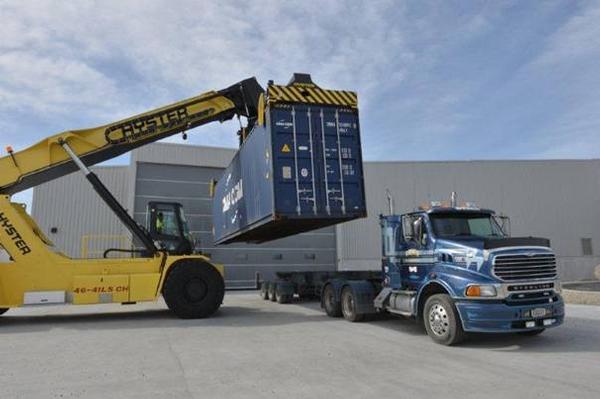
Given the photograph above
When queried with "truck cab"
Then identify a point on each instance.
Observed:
(458, 270)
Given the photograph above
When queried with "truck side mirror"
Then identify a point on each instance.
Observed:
(420, 232)
(407, 229)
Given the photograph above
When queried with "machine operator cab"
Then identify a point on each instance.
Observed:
(168, 227)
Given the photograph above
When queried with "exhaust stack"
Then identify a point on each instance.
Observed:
(390, 201)
(453, 200)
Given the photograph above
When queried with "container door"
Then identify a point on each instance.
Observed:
(317, 162)
(336, 133)
(293, 150)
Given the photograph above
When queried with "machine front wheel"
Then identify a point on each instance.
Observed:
(194, 289)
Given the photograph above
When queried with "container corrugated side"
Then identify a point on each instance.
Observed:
(302, 171)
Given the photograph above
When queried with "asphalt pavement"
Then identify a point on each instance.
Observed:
(258, 349)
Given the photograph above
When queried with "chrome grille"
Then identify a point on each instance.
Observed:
(515, 267)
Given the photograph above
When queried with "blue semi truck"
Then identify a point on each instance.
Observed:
(453, 268)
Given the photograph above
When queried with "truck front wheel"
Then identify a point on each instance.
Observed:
(194, 290)
(442, 321)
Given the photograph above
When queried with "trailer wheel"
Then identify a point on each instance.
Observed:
(264, 290)
(442, 321)
(349, 306)
(272, 291)
(332, 307)
(281, 298)
(194, 289)
(3, 310)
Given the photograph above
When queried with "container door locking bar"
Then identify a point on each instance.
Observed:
(111, 201)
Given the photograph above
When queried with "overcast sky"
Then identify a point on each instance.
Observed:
(437, 80)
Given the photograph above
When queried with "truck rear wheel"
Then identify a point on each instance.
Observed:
(349, 306)
(332, 307)
(442, 321)
(194, 289)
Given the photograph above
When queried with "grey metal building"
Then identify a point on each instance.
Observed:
(558, 199)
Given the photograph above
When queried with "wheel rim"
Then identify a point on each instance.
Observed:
(195, 290)
(348, 305)
(438, 320)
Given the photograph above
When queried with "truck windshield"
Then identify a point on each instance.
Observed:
(453, 224)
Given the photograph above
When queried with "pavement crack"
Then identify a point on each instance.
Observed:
(179, 366)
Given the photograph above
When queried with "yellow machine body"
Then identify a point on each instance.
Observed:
(39, 274)
(33, 271)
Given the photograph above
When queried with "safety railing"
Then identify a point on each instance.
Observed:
(95, 245)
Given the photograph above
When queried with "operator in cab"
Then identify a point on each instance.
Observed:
(160, 222)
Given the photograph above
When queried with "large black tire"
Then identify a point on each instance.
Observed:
(264, 290)
(349, 306)
(532, 333)
(272, 291)
(442, 321)
(332, 307)
(3, 310)
(194, 289)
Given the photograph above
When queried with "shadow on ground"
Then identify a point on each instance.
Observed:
(227, 316)
(578, 334)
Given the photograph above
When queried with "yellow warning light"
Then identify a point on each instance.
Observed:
(285, 148)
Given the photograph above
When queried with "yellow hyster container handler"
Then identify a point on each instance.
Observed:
(35, 272)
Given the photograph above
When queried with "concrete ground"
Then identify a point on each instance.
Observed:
(583, 292)
(257, 349)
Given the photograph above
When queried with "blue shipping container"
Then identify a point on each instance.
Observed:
(299, 171)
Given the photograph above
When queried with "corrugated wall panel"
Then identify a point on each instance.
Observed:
(71, 205)
(557, 199)
(184, 154)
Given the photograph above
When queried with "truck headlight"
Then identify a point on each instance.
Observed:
(484, 290)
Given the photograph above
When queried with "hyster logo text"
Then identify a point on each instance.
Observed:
(14, 235)
(157, 123)
(233, 196)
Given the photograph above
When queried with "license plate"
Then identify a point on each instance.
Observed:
(538, 312)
